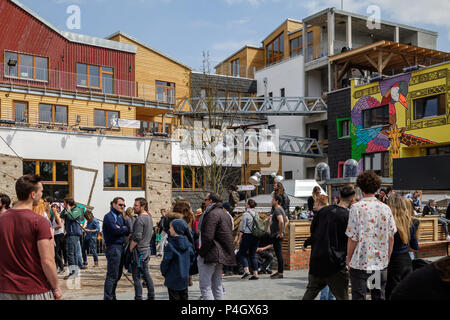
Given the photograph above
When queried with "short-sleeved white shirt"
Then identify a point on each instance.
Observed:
(370, 223)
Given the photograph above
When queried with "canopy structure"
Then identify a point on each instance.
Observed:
(384, 57)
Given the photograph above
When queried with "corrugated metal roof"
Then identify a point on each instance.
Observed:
(79, 38)
(147, 46)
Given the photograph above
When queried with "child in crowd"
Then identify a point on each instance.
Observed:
(178, 258)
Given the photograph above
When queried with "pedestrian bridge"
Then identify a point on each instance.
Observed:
(251, 106)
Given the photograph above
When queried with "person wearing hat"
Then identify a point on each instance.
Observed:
(178, 258)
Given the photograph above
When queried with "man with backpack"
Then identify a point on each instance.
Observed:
(249, 239)
(72, 215)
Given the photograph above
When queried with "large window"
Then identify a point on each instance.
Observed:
(95, 77)
(123, 176)
(55, 176)
(104, 118)
(235, 71)
(26, 66)
(429, 107)
(187, 178)
(378, 162)
(52, 114)
(20, 111)
(165, 92)
(275, 50)
(154, 127)
(297, 46)
(376, 117)
(310, 46)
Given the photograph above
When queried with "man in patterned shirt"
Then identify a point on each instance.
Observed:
(371, 228)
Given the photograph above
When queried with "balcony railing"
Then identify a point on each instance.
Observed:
(69, 122)
(49, 80)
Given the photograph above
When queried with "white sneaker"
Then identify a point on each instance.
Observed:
(448, 238)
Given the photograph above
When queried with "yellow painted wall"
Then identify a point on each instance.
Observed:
(74, 108)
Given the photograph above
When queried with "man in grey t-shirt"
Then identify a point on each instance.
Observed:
(140, 249)
(277, 227)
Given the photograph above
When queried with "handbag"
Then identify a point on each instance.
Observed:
(193, 270)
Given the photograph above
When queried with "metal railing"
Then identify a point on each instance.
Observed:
(252, 106)
(48, 80)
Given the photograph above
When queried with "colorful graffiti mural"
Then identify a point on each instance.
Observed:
(389, 136)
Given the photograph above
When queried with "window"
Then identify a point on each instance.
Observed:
(104, 118)
(314, 134)
(297, 46)
(429, 107)
(282, 92)
(376, 117)
(123, 176)
(26, 66)
(20, 111)
(52, 114)
(188, 178)
(55, 176)
(165, 92)
(310, 46)
(95, 77)
(438, 150)
(235, 71)
(288, 175)
(378, 162)
(275, 50)
(343, 128)
(153, 127)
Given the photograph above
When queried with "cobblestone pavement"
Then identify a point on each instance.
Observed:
(292, 287)
(91, 282)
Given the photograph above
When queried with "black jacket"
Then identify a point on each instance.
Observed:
(429, 210)
(328, 241)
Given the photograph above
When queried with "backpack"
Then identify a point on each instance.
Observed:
(258, 226)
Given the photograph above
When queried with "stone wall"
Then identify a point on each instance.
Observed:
(159, 177)
(11, 168)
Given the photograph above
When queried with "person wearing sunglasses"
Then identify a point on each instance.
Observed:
(114, 233)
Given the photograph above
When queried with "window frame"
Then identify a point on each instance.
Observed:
(442, 98)
(130, 187)
(106, 118)
(100, 76)
(54, 162)
(27, 110)
(165, 88)
(383, 169)
(53, 114)
(378, 125)
(272, 56)
(194, 179)
(339, 122)
(19, 54)
(298, 48)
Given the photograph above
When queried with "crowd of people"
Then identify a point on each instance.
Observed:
(353, 241)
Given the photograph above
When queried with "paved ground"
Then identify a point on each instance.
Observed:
(292, 287)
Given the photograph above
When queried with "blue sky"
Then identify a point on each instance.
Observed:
(183, 29)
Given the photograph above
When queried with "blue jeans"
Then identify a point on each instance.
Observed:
(90, 243)
(114, 259)
(79, 255)
(249, 245)
(140, 269)
(326, 294)
(72, 243)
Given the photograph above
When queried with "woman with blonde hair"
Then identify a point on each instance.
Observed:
(400, 264)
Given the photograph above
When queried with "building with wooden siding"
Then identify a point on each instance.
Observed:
(62, 97)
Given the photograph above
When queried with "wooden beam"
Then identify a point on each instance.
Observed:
(406, 60)
(385, 63)
(380, 63)
(371, 61)
(343, 70)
